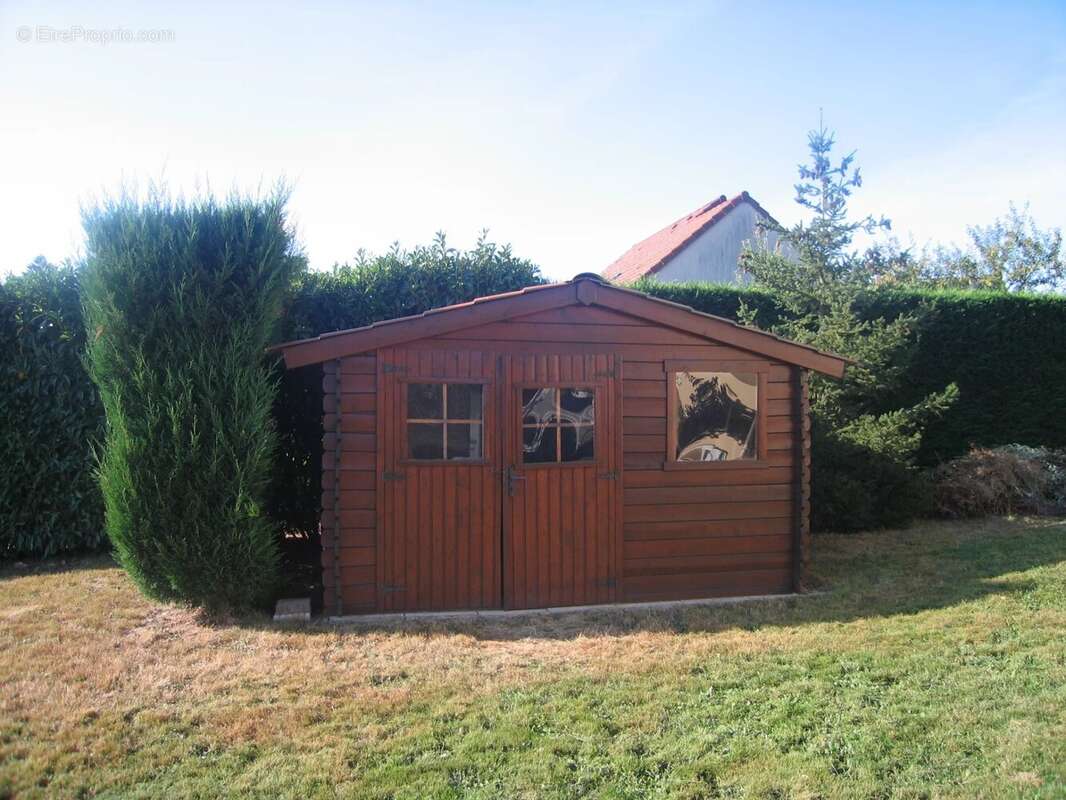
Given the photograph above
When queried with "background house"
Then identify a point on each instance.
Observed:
(702, 246)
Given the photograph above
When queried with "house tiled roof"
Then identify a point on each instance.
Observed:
(648, 256)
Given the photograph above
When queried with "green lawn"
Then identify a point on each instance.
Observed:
(935, 667)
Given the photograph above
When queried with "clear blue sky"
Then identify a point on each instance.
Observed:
(568, 130)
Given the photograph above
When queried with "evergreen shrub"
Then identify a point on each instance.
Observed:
(181, 299)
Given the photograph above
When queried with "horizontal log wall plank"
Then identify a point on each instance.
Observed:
(351, 480)
(352, 500)
(352, 537)
(708, 511)
(722, 545)
(706, 529)
(717, 584)
(682, 495)
(350, 404)
(688, 565)
(724, 476)
(359, 599)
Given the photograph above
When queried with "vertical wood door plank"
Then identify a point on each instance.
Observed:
(439, 521)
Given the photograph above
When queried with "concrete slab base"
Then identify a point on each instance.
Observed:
(498, 614)
(293, 609)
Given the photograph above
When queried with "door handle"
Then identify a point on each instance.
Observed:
(512, 477)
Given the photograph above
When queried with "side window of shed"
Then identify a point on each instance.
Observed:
(716, 415)
(445, 421)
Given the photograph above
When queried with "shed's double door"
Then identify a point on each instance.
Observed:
(499, 480)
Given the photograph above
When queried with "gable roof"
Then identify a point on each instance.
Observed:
(586, 290)
(650, 255)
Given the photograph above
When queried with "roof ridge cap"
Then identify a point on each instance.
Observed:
(706, 207)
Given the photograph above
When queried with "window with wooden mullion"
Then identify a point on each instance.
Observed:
(562, 432)
(444, 421)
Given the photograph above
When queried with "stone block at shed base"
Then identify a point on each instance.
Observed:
(293, 609)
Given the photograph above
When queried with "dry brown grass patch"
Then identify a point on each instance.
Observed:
(93, 672)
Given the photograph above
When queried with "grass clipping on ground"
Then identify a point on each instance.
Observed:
(936, 667)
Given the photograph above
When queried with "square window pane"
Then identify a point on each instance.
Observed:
(538, 406)
(538, 445)
(464, 401)
(425, 440)
(578, 406)
(578, 443)
(425, 401)
(464, 440)
(717, 415)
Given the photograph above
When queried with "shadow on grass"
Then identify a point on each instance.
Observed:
(930, 566)
(301, 575)
(21, 568)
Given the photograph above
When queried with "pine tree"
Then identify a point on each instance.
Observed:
(863, 472)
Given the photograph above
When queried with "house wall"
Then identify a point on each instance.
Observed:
(685, 533)
(349, 483)
(713, 255)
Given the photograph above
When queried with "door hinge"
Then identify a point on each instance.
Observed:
(388, 369)
(609, 476)
(393, 588)
(392, 476)
(605, 373)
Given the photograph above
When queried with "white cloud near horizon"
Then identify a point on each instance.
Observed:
(1018, 156)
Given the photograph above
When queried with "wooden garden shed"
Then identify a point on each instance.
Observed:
(567, 444)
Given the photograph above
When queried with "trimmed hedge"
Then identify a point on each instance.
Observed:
(1006, 352)
(401, 283)
(50, 416)
(718, 299)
